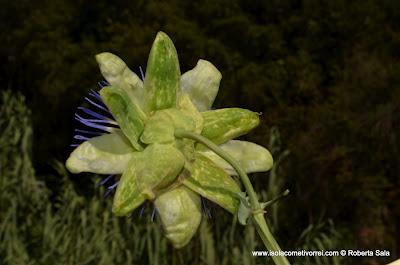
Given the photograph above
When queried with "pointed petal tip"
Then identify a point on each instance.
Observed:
(162, 35)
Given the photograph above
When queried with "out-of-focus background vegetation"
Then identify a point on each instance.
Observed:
(325, 75)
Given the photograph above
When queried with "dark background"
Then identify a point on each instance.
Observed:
(326, 73)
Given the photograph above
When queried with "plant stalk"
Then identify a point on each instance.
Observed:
(258, 214)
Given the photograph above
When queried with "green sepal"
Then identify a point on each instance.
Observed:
(105, 154)
(201, 84)
(187, 145)
(187, 107)
(117, 73)
(250, 156)
(223, 125)
(129, 116)
(162, 74)
(158, 166)
(244, 210)
(148, 172)
(211, 182)
(129, 194)
(180, 213)
(161, 126)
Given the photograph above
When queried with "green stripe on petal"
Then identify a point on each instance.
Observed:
(162, 74)
(161, 126)
(105, 154)
(117, 73)
(223, 125)
(251, 157)
(159, 165)
(129, 194)
(211, 182)
(201, 84)
(127, 114)
(187, 107)
(148, 172)
(180, 213)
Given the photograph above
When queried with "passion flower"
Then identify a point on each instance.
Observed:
(157, 135)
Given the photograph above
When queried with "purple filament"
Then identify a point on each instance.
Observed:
(104, 181)
(93, 113)
(153, 214)
(95, 104)
(103, 84)
(88, 132)
(142, 210)
(205, 208)
(93, 124)
(141, 73)
(80, 137)
(96, 95)
(113, 186)
(110, 189)
(98, 121)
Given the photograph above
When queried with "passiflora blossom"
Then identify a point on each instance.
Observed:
(138, 121)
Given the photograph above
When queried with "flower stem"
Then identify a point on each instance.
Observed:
(258, 214)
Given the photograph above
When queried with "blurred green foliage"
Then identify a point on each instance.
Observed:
(326, 73)
(75, 229)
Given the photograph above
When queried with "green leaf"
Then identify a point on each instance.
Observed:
(180, 213)
(105, 154)
(211, 182)
(117, 73)
(148, 172)
(127, 114)
(201, 84)
(162, 74)
(251, 157)
(223, 125)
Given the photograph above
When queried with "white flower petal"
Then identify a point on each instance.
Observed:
(180, 213)
(201, 84)
(105, 154)
(252, 157)
(117, 73)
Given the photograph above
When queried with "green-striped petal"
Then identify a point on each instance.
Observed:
(187, 107)
(223, 125)
(128, 115)
(251, 157)
(130, 194)
(105, 154)
(187, 145)
(162, 74)
(117, 73)
(201, 84)
(148, 172)
(161, 126)
(180, 213)
(211, 182)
